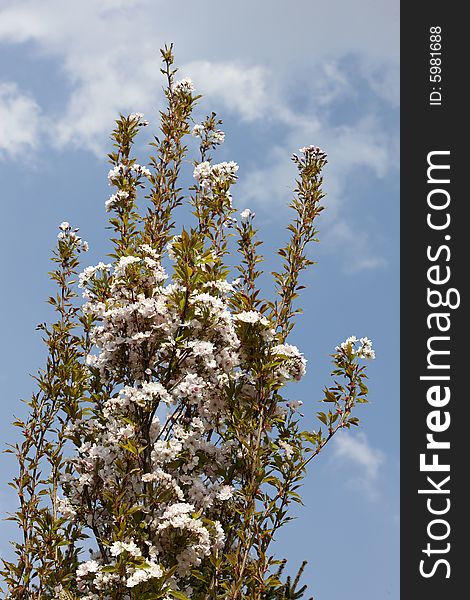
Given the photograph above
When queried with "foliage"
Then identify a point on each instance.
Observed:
(160, 432)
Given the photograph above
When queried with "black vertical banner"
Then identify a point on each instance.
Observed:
(435, 327)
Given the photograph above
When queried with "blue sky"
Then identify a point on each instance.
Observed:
(281, 76)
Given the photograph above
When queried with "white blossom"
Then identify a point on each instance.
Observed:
(117, 171)
(185, 86)
(90, 566)
(218, 136)
(139, 117)
(202, 172)
(251, 317)
(293, 365)
(365, 349)
(288, 449)
(220, 173)
(153, 571)
(246, 214)
(197, 130)
(140, 170)
(119, 547)
(225, 492)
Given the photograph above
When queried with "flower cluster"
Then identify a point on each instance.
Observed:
(207, 174)
(138, 118)
(310, 155)
(180, 364)
(184, 86)
(363, 349)
(115, 199)
(69, 235)
(214, 137)
(246, 214)
(293, 364)
(123, 170)
(182, 350)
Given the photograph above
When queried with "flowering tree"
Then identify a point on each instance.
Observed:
(159, 434)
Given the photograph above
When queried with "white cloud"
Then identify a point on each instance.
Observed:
(288, 37)
(110, 61)
(354, 449)
(241, 88)
(349, 147)
(254, 60)
(109, 52)
(19, 121)
(106, 87)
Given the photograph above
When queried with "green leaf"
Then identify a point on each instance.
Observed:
(178, 595)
